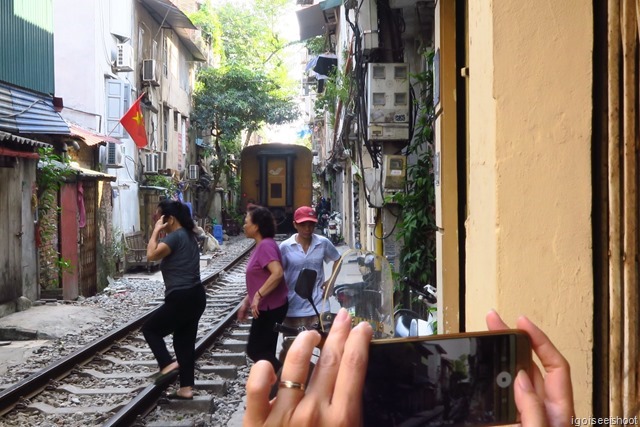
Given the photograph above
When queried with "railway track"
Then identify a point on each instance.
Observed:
(107, 382)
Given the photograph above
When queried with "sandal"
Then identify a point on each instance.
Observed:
(160, 378)
(175, 396)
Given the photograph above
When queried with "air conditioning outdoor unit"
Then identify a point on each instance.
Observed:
(194, 172)
(149, 71)
(124, 59)
(114, 155)
(368, 23)
(388, 101)
(150, 163)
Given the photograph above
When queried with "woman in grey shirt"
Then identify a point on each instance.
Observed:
(185, 298)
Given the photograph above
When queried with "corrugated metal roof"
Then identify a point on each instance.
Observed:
(22, 111)
(26, 55)
(91, 138)
(167, 14)
(4, 136)
(170, 16)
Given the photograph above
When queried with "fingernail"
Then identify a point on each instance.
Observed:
(365, 325)
(523, 381)
(342, 316)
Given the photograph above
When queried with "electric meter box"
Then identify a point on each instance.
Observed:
(388, 101)
(395, 173)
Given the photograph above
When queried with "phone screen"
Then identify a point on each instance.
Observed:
(453, 380)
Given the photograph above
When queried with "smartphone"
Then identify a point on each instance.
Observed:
(447, 380)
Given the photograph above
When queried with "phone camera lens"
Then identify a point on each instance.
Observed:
(503, 379)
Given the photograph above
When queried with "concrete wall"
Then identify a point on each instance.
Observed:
(85, 49)
(528, 246)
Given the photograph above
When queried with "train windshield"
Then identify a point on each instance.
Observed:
(362, 283)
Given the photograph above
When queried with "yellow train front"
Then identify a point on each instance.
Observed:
(277, 176)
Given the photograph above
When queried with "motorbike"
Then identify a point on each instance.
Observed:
(362, 283)
(333, 227)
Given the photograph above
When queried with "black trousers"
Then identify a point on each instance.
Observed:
(179, 315)
(262, 337)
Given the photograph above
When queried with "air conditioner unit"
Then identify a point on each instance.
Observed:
(124, 58)
(149, 71)
(388, 101)
(194, 172)
(368, 23)
(150, 163)
(114, 155)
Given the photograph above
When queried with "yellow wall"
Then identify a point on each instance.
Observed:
(448, 274)
(528, 246)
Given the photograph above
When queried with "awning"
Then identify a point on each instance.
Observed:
(322, 65)
(27, 112)
(315, 20)
(170, 16)
(80, 171)
(91, 138)
(4, 136)
(90, 173)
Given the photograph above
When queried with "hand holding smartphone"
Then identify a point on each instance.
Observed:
(449, 380)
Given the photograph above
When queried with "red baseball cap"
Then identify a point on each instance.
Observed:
(304, 214)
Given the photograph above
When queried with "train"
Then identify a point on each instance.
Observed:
(278, 177)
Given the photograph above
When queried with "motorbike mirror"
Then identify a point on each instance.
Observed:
(305, 284)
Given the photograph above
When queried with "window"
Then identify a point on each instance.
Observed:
(165, 56)
(140, 41)
(165, 129)
(176, 120)
(118, 100)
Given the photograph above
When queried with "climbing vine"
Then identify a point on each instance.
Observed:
(52, 171)
(417, 225)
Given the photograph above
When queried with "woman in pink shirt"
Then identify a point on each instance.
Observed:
(266, 289)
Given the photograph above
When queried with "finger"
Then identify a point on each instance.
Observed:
(529, 404)
(350, 382)
(259, 383)
(295, 369)
(325, 373)
(495, 322)
(557, 381)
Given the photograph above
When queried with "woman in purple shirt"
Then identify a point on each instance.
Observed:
(266, 289)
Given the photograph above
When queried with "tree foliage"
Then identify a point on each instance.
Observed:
(249, 87)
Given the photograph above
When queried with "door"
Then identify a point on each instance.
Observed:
(276, 182)
(11, 230)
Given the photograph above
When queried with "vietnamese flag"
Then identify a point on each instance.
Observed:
(133, 122)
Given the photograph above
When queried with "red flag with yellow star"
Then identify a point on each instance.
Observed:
(133, 122)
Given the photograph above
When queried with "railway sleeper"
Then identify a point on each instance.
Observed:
(69, 410)
(237, 359)
(223, 371)
(183, 423)
(199, 403)
(233, 345)
(91, 391)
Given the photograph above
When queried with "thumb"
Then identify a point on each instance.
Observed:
(531, 407)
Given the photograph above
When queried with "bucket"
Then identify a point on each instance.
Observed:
(217, 233)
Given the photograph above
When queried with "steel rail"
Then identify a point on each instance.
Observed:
(36, 382)
(147, 399)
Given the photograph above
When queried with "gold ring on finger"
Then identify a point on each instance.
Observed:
(292, 384)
